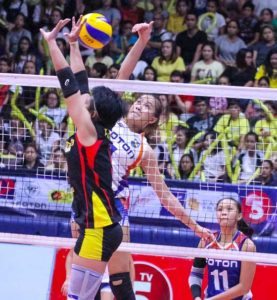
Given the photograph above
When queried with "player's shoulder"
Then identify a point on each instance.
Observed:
(248, 245)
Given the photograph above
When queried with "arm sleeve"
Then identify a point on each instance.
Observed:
(196, 276)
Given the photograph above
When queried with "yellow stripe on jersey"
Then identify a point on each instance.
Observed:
(100, 215)
(92, 245)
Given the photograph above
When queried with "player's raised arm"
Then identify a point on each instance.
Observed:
(130, 61)
(76, 104)
(168, 200)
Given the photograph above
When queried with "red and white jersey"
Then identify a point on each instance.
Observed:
(127, 150)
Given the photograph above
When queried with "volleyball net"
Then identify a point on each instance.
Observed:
(213, 142)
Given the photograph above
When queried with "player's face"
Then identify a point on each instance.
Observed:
(227, 213)
(142, 112)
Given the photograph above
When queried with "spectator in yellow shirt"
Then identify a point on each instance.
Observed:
(266, 128)
(269, 69)
(176, 22)
(168, 61)
(237, 123)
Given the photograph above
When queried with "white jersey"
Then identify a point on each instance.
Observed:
(127, 150)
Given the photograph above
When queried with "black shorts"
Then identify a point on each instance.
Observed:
(99, 243)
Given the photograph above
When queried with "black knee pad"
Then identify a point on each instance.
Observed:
(124, 289)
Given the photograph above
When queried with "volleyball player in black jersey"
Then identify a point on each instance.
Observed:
(89, 167)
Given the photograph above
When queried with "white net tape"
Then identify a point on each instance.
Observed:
(149, 87)
(171, 251)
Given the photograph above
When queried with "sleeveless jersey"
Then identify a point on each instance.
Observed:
(127, 151)
(90, 175)
(224, 274)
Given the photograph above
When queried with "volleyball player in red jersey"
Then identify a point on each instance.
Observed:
(89, 166)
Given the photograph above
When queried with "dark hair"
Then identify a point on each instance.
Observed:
(59, 149)
(6, 59)
(252, 133)
(269, 162)
(109, 106)
(267, 64)
(173, 56)
(232, 102)
(177, 73)
(272, 104)
(212, 133)
(153, 70)
(181, 171)
(214, 1)
(115, 66)
(46, 95)
(240, 58)
(269, 10)
(264, 78)
(200, 99)
(31, 145)
(100, 68)
(242, 225)
(248, 4)
(266, 26)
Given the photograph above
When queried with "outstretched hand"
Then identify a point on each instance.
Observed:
(75, 30)
(144, 30)
(52, 35)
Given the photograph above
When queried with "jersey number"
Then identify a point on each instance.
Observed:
(224, 276)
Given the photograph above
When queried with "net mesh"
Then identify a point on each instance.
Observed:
(212, 143)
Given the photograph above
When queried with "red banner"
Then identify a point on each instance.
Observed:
(166, 278)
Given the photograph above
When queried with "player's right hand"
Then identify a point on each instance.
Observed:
(144, 31)
(75, 30)
(52, 35)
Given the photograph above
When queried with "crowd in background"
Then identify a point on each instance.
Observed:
(220, 42)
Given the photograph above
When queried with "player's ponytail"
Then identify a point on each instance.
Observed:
(245, 228)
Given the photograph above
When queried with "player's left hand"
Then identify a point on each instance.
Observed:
(204, 233)
(64, 289)
(52, 35)
(75, 30)
(144, 31)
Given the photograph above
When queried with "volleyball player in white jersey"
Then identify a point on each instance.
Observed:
(130, 149)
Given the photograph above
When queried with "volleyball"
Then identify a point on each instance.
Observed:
(96, 31)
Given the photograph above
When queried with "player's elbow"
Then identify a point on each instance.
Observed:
(244, 288)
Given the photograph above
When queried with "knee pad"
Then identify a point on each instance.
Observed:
(121, 286)
(84, 283)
